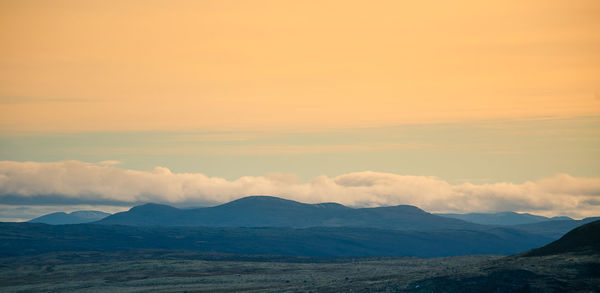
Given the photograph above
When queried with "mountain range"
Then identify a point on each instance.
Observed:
(78, 217)
(267, 211)
(271, 225)
(502, 218)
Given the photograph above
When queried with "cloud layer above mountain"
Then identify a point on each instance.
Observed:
(105, 183)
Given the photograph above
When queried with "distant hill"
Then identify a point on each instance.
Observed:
(502, 218)
(585, 238)
(27, 239)
(267, 211)
(78, 217)
(553, 229)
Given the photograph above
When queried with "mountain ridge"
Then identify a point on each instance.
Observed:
(269, 211)
(502, 218)
(76, 217)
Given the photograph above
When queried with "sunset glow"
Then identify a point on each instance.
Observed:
(222, 65)
(467, 92)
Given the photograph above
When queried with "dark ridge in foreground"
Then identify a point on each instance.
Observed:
(583, 239)
(570, 264)
(20, 239)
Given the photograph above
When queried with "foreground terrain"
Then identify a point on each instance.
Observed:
(180, 272)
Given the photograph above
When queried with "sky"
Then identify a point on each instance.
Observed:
(463, 106)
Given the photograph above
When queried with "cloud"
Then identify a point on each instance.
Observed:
(109, 163)
(81, 183)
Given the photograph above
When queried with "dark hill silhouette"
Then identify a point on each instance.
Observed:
(585, 238)
(268, 211)
(148, 213)
(78, 217)
(570, 264)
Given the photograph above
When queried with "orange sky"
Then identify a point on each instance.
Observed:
(217, 65)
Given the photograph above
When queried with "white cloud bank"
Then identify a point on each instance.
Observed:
(88, 182)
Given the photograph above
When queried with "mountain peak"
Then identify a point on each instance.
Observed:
(403, 208)
(330, 205)
(261, 200)
(77, 217)
(152, 207)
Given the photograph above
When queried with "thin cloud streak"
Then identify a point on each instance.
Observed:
(12, 100)
(95, 183)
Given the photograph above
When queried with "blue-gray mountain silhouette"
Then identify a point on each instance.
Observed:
(78, 217)
(267, 211)
(553, 229)
(270, 225)
(502, 218)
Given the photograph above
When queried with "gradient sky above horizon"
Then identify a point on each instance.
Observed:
(466, 91)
